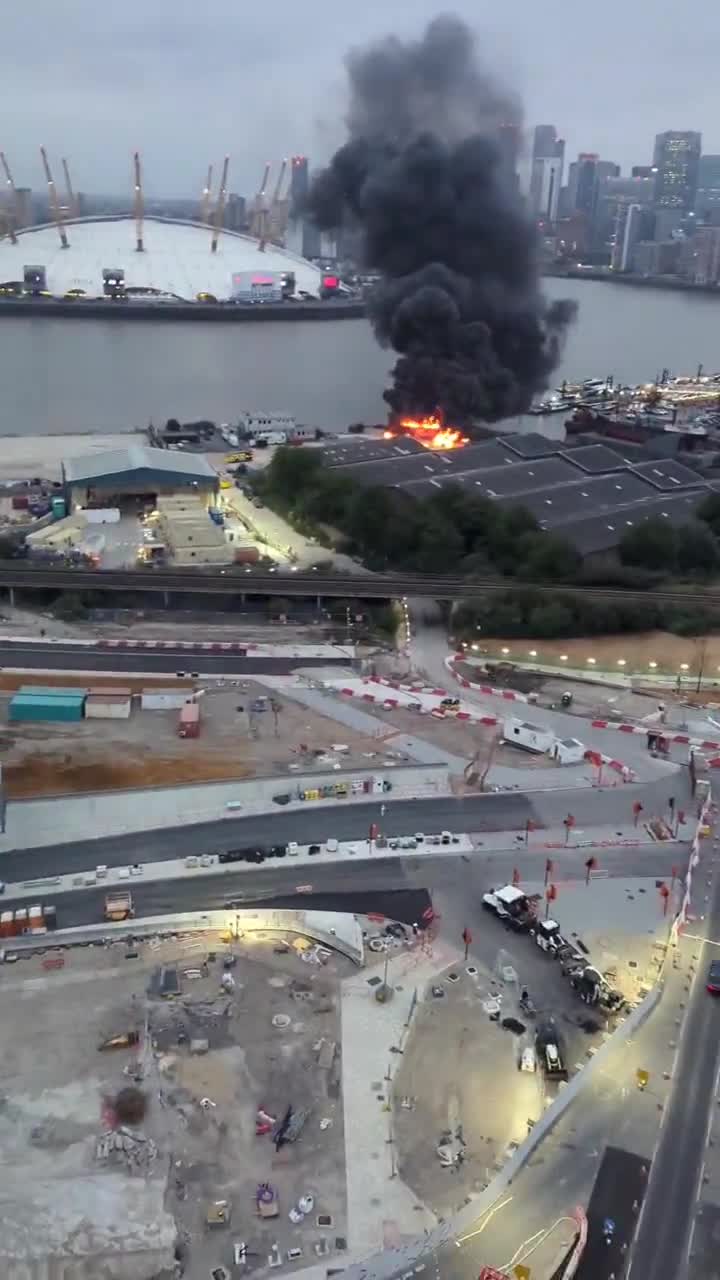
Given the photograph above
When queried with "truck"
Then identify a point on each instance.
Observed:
(510, 905)
(119, 905)
(549, 1049)
(547, 936)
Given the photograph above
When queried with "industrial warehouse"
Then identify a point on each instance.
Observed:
(592, 494)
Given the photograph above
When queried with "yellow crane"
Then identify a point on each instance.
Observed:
(220, 207)
(270, 228)
(139, 205)
(71, 199)
(54, 202)
(13, 213)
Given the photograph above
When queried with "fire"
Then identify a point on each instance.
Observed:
(432, 433)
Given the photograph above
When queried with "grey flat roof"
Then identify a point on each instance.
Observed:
(514, 481)
(136, 457)
(531, 444)
(665, 473)
(391, 467)
(595, 458)
(356, 449)
(601, 533)
(587, 498)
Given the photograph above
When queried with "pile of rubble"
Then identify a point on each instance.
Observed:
(123, 1146)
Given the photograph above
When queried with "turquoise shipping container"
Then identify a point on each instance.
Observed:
(50, 691)
(59, 508)
(30, 709)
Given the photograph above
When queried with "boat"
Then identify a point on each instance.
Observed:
(668, 437)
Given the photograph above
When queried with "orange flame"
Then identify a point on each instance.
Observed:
(431, 433)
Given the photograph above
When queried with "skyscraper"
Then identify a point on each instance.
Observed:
(708, 190)
(299, 181)
(677, 160)
(546, 174)
(544, 141)
(545, 183)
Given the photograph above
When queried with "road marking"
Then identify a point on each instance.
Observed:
(490, 1214)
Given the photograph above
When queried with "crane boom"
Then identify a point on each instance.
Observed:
(139, 205)
(55, 203)
(72, 203)
(206, 197)
(11, 187)
(220, 207)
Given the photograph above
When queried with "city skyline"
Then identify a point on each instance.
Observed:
(98, 84)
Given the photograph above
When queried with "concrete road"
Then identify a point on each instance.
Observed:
(477, 814)
(662, 1241)
(13, 653)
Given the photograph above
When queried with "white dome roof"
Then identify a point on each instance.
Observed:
(177, 257)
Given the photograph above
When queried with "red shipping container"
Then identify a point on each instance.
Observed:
(189, 725)
(20, 502)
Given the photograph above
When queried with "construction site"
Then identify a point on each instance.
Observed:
(131, 735)
(189, 1116)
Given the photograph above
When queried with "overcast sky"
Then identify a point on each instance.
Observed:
(185, 81)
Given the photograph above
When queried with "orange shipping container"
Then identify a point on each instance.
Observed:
(21, 920)
(7, 926)
(189, 725)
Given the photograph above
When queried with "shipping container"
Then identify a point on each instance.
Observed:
(24, 707)
(59, 508)
(52, 691)
(35, 919)
(7, 924)
(109, 691)
(20, 502)
(21, 920)
(189, 723)
(164, 699)
(107, 707)
(50, 915)
(119, 905)
(248, 554)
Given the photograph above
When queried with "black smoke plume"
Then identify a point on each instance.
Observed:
(427, 175)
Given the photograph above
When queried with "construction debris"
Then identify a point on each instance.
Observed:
(122, 1146)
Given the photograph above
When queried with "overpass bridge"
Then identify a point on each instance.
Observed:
(376, 586)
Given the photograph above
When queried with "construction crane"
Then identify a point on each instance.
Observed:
(139, 205)
(220, 207)
(271, 218)
(257, 224)
(54, 202)
(13, 214)
(72, 202)
(206, 198)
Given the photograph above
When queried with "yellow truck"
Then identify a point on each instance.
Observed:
(119, 905)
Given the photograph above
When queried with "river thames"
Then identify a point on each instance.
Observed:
(64, 375)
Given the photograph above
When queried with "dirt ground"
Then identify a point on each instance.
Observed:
(636, 650)
(103, 755)
(457, 736)
(53, 1109)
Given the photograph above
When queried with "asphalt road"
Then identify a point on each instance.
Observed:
(481, 815)
(675, 1184)
(88, 658)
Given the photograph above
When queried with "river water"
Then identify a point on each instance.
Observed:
(64, 375)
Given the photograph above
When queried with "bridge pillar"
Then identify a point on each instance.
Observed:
(11, 596)
(166, 598)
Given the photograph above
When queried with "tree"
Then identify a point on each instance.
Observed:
(552, 558)
(292, 472)
(440, 546)
(697, 549)
(709, 512)
(651, 545)
(551, 621)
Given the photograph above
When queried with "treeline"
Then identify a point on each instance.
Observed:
(455, 531)
(524, 613)
(450, 531)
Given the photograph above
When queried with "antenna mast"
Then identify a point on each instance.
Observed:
(55, 203)
(139, 205)
(13, 216)
(206, 198)
(72, 202)
(275, 229)
(220, 208)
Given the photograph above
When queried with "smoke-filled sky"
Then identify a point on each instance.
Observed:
(186, 82)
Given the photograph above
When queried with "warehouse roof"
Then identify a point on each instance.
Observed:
(602, 532)
(136, 457)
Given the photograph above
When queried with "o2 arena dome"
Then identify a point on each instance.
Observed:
(177, 262)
